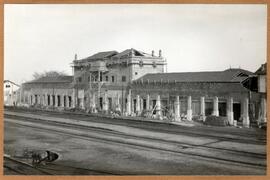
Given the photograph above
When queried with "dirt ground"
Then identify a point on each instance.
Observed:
(84, 156)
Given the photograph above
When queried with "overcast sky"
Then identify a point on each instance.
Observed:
(191, 37)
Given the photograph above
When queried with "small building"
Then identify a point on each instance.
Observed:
(11, 93)
(262, 90)
(257, 82)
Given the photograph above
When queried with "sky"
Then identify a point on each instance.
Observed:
(40, 38)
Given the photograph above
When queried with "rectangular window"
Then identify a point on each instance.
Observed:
(80, 79)
(107, 78)
(123, 78)
(112, 78)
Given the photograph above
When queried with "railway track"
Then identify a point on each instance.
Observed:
(13, 166)
(247, 137)
(116, 133)
(255, 159)
(17, 167)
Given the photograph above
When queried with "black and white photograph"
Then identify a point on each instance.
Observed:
(135, 89)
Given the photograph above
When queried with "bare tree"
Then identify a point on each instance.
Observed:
(38, 75)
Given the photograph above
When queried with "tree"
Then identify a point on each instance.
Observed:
(38, 75)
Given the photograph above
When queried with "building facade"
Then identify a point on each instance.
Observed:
(257, 82)
(195, 95)
(101, 80)
(98, 83)
(135, 83)
(11, 93)
(49, 92)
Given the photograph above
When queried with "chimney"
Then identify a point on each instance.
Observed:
(75, 58)
(160, 53)
(153, 53)
(131, 52)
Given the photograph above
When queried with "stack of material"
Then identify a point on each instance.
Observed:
(216, 121)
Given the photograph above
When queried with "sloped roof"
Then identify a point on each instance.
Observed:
(133, 51)
(102, 55)
(114, 54)
(56, 79)
(5, 81)
(262, 70)
(229, 75)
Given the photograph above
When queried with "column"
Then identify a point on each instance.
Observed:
(132, 106)
(45, 99)
(93, 103)
(73, 98)
(129, 102)
(83, 99)
(51, 101)
(189, 108)
(138, 109)
(29, 99)
(158, 107)
(148, 102)
(203, 108)
(141, 104)
(117, 103)
(263, 110)
(62, 101)
(40, 99)
(55, 100)
(245, 113)
(177, 109)
(230, 110)
(33, 99)
(215, 104)
(37, 100)
(105, 102)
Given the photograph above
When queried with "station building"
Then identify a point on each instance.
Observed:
(135, 83)
(98, 83)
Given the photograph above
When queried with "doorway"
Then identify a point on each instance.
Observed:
(236, 111)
